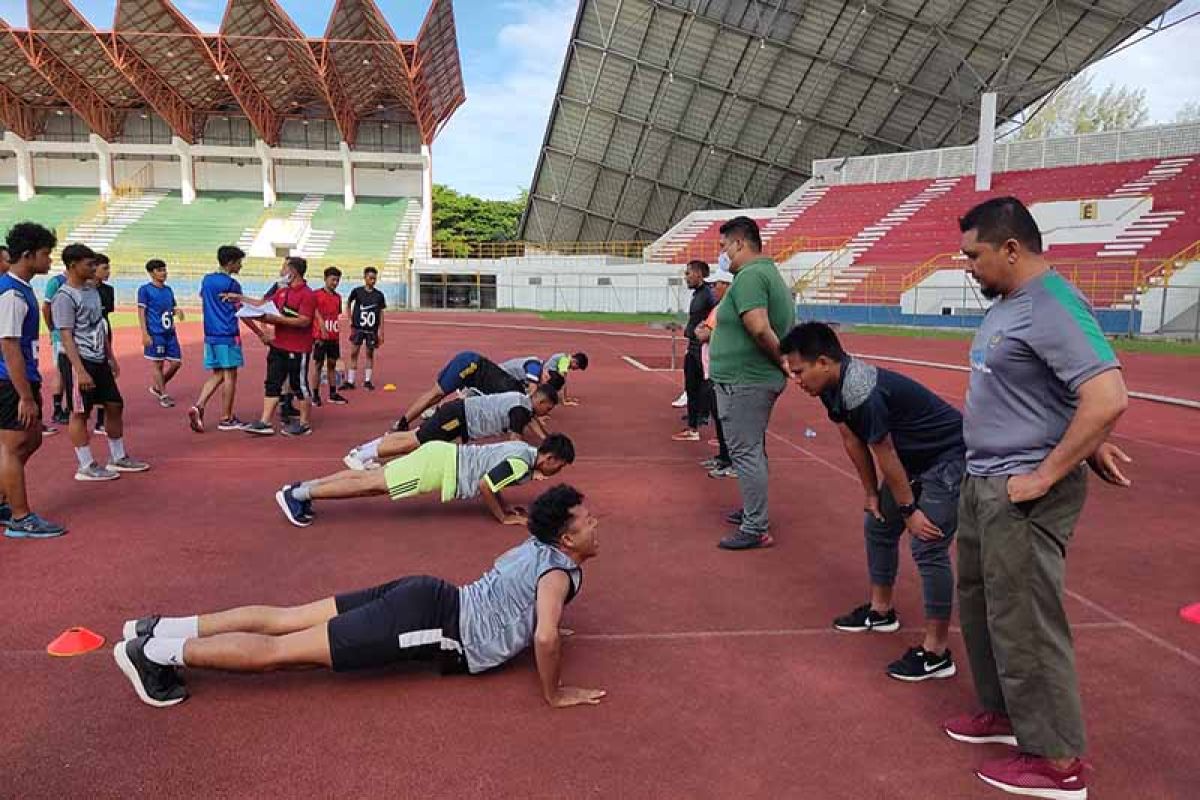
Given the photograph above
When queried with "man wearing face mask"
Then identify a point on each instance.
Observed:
(748, 371)
(290, 348)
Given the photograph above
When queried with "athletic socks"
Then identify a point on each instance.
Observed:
(165, 652)
(58, 404)
(84, 454)
(303, 492)
(370, 450)
(178, 628)
(366, 375)
(350, 376)
(117, 448)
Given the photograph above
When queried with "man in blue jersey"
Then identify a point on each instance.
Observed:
(29, 247)
(222, 344)
(517, 603)
(156, 315)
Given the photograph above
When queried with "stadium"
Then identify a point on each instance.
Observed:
(854, 133)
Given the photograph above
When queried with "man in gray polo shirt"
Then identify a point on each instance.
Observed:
(747, 370)
(1045, 391)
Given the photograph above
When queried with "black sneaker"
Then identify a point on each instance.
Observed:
(292, 508)
(143, 626)
(316, 400)
(60, 417)
(735, 517)
(259, 428)
(918, 664)
(400, 425)
(745, 541)
(296, 428)
(864, 618)
(155, 684)
(370, 387)
(337, 399)
(347, 386)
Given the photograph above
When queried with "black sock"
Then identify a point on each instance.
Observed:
(58, 406)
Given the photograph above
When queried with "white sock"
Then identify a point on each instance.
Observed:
(178, 628)
(117, 448)
(350, 376)
(370, 450)
(303, 492)
(84, 454)
(367, 374)
(167, 652)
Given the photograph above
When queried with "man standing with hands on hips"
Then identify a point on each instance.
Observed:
(747, 371)
(1045, 392)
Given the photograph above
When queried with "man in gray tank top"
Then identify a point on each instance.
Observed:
(519, 602)
(469, 419)
(457, 472)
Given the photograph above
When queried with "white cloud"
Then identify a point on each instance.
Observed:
(491, 145)
(1166, 65)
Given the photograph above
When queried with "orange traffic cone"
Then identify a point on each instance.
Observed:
(1191, 613)
(74, 642)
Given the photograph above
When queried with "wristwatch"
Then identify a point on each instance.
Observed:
(908, 509)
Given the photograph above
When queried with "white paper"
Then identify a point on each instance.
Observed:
(248, 311)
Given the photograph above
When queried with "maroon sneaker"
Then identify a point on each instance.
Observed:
(1034, 776)
(988, 727)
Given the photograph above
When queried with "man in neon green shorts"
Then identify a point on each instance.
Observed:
(457, 472)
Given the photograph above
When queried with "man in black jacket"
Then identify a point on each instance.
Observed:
(703, 301)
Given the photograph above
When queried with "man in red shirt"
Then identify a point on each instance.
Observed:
(327, 350)
(289, 347)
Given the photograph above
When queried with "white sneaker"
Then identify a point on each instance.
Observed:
(679, 402)
(357, 463)
(95, 472)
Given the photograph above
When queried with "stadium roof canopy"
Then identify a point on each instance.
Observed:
(668, 106)
(259, 65)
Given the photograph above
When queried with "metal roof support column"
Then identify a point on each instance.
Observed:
(25, 188)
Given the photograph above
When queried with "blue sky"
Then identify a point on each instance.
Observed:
(512, 53)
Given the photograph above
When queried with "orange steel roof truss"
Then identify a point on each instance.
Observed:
(259, 64)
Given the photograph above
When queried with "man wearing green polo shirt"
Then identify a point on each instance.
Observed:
(747, 370)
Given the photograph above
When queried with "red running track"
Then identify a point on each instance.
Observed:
(723, 675)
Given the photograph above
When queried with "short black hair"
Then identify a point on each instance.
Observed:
(155, 263)
(102, 258)
(76, 252)
(550, 512)
(28, 237)
(811, 340)
(227, 254)
(997, 220)
(581, 360)
(298, 264)
(334, 271)
(560, 446)
(696, 265)
(549, 391)
(370, 271)
(556, 380)
(744, 227)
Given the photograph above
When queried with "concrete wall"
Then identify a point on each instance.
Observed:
(66, 172)
(375, 182)
(296, 179)
(215, 175)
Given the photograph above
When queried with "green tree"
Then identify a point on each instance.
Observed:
(462, 221)
(1188, 112)
(1078, 108)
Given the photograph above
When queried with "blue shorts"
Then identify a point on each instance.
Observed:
(458, 372)
(222, 356)
(163, 347)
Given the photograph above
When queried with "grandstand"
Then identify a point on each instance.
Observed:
(153, 139)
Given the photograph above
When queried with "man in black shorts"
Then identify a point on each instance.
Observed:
(468, 629)
(29, 247)
(468, 370)
(108, 304)
(366, 326)
(468, 419)
(79, 319)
